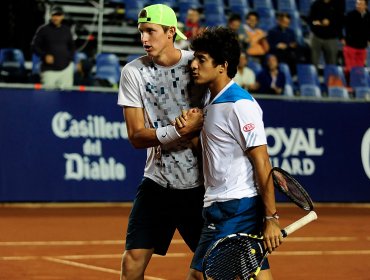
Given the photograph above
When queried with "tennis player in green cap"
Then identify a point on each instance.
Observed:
(154, 90)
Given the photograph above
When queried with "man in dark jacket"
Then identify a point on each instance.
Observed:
(53, 43)
(326, 28)
(357, 36)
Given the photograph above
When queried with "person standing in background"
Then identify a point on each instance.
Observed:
(357, 36)
(326, 28)
(53, 43)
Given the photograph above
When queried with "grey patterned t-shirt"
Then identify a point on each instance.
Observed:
(163, 92)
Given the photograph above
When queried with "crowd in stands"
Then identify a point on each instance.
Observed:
(296, 47)
(326, 43)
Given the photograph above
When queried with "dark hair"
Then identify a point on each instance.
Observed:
(234, 17)
(252, 14)
(221, 44)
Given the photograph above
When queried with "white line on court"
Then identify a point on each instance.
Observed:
(92, 267)
(65, 259)
(175, 241)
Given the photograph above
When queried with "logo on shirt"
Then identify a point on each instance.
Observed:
(249, 127)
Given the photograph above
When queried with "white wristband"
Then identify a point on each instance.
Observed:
(167, 134)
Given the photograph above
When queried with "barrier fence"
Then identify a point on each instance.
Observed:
(68, 146)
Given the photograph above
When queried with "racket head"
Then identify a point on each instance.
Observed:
(236, 256)
(289, 186)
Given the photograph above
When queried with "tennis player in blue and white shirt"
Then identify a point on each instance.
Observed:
(239, 191)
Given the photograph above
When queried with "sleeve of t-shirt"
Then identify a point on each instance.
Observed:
(247, 124)
(129, 88)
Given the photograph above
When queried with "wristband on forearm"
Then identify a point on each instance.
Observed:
(167, 134)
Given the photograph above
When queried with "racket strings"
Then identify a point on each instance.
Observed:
(293, 189)
(235, 258)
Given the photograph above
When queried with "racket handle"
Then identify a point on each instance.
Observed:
(300, 223)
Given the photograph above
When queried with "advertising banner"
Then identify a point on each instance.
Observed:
(72, 146)
(65, 146)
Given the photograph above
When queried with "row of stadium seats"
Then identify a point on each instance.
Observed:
(107, 67)
(13, 66)
(301, 6)
(334, 82)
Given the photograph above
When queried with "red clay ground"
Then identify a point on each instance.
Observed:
(73, 242)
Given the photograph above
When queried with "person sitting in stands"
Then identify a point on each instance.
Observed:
(270, 80)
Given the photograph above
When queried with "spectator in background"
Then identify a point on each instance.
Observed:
(244, 77)
(234, 23)
(326, 28)
(283, 41)
(191, 28)
(192, 25)
(54, 44)
(270, 80)
(256, 39)
(357, 36)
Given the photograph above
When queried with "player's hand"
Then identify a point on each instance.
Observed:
(180, 121)
(272, 234)
(189, 121)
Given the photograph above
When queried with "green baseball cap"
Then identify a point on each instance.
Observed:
(160, 14)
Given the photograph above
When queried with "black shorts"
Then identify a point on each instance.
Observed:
(158, 211)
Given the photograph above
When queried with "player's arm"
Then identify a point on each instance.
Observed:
(139, 135)
(143, 137)
(262, 166)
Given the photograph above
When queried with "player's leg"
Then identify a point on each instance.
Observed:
(149, 231)
(134, 263)
(190, 221)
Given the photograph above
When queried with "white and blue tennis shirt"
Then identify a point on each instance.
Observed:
(233, 123)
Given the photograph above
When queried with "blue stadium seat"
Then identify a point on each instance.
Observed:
(132, 57)
(132, 9)
(214, 14)
(309, 90)
(215, 2)
(307, 75)
(214, 19)
(108, 68)
(78, 57)
(338, 92)
(305, 7)
(286, 5)
(267, 18)
(255, 66)
(170, 3)
(262, 4)
(334, 72)
(36, 64)
(240, 7)
(12, 65)
(184, 6)
(362, 93)
(358, 77)
(213, 8)
(289, 85)
(240, 3)
(350, 5)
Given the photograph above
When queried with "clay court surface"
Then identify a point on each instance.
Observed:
(85, 241)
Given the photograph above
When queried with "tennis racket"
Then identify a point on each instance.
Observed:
(240, 256)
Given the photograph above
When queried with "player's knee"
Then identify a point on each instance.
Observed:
(132, 267)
